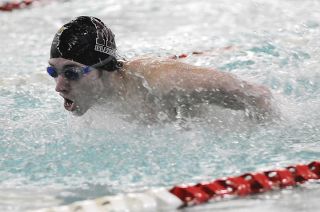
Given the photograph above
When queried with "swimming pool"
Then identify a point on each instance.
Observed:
(51, 158)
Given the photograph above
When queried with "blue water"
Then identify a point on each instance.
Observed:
(60, 159)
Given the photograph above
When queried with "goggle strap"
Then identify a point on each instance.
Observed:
(86, 70)
(103, 62)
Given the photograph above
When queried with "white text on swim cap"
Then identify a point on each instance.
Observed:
(105, 49)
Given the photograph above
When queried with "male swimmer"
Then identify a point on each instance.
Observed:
(86, 68)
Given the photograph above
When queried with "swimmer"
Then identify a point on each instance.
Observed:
(86, 68)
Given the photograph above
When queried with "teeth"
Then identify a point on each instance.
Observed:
(68, 102)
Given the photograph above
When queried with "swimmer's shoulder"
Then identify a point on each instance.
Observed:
(168, 71)
(155, 64)
(145, 61)
(137, 62)
(160, 73)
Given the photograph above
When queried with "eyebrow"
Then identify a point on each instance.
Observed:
(64, 66)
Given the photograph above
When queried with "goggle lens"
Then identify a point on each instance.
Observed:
(52, 72)
(71, 74)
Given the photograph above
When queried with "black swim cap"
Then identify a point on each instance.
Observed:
(85, 40)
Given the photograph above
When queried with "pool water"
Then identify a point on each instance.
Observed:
(49, 157)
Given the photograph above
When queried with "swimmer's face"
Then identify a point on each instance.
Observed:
(81, 93)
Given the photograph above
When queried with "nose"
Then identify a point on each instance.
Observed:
(62, 85)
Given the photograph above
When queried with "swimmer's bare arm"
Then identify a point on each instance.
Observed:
(206, 85)
(224, 89)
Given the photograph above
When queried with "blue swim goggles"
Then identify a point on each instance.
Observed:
(70, 73)
(76, 72)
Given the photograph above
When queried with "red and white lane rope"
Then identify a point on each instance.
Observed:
(184, 196)
(14, 5)
(212, 52)
(180, 56)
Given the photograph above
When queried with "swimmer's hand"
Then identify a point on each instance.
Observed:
(259, 102)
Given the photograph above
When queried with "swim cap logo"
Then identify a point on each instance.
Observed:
(102, 38)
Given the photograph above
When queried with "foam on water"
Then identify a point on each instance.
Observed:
(59, 158)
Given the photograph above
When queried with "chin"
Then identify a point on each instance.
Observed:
(79, 112)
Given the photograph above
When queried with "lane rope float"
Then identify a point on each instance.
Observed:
(184, 196)
(10, 6)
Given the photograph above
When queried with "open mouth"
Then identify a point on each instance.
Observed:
(69, 104)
